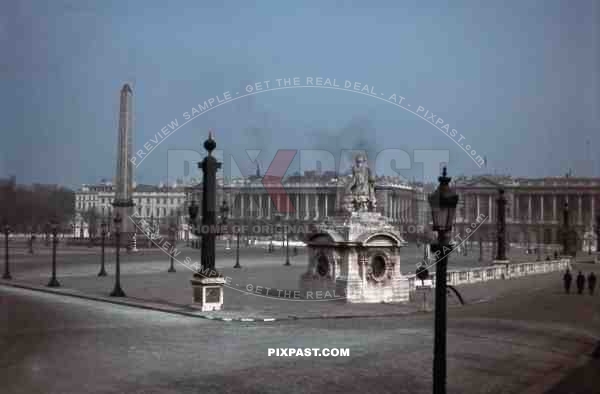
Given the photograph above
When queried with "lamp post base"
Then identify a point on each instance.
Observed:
(53, 283)
(6, 276)
(171, 269)
(118, 292)
(102, 272)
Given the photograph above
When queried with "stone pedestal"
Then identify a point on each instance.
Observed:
(357, 256)
(208, 293)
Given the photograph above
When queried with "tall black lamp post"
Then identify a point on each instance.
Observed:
(286, 234)
(117, 291)
(209, 167)
(237, 248)
(172, 231)
(6, 267)
(102, 245)
(443, 207)
(53, 281)
(598, 234)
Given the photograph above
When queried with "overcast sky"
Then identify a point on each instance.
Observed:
(519, 80)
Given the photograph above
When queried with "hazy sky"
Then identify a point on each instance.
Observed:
(518, 79)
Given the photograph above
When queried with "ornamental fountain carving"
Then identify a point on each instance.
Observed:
(356, 255)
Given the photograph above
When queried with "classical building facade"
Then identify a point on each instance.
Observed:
(157, 204)
(534, 209)
(311, 198)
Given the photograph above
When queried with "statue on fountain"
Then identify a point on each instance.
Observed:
(362, 186)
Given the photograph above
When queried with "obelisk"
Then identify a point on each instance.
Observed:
(123, 202)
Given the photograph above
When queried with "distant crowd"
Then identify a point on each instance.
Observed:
(580, 281)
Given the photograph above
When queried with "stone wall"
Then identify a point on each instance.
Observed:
(496, 272)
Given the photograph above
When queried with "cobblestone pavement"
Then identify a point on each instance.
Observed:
(532, 339)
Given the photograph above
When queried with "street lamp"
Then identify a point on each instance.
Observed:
(6, 267)
(598, 234)
(103, 235)
(443, 207)
(237, 248)
(53, 281)
(172, 230)
(117, 291)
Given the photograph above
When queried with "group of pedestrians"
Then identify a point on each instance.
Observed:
(580, 282)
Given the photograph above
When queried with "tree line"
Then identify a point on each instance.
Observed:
(29, 208)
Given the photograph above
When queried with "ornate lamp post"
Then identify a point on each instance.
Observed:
(6, 267)
(172, 231)
(151, 229)
(117, 291)
(443, 206)
(103, 240)
(501, 226)
(287, 245)
(237, 248)
(53, 281)
(286, 239)
(598, 234)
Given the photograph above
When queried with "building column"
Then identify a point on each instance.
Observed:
(579, 215)
(326, 210)
(269, 203)
(554, 208)
(542, 208)
(260, 207)
(229, 202)
(287, 207)
(317, 205)
(298, 206)
(250, 196)
(517, 213)
(307, 214)
(490, 207)
(387, 205)
(529, 211)
(478, 205)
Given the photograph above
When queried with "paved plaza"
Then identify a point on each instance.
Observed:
(512, 336)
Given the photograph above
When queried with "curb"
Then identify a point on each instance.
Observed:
(188, 310)
(135, 304)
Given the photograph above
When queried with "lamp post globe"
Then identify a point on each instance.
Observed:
(443, 202)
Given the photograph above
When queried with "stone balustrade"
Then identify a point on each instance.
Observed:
(495, 272)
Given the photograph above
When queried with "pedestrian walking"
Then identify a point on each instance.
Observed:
(580, 283)
(567, 281)
(591, 283)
